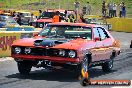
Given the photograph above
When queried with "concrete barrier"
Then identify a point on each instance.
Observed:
(93, 16)
(20, 28)
(2, 29)
(8, 37)
(118, 24)
(121, 24)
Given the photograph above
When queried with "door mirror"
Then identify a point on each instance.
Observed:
(35, 34)
(97, 39)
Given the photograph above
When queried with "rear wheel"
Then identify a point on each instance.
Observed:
(24, 67)
(107, 66)
(131, 46)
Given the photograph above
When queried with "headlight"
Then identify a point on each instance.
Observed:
(27, 50)
(41, 25)
(72, 54)
(17, 50)
(62, 53)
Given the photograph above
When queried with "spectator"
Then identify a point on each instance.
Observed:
(70, 18)
(110, 7)
(114, 10)
(9, 11)
(123, 10)
(88, 9)
(66, 13)
(82, 20)
(56, 17)
(40, 12)
(76, 4)
(14, 14)
(120, 7)
(19, 19)
(104, 8)
(31, 19)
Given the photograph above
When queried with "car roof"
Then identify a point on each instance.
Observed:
(73, 24)
(54, 10)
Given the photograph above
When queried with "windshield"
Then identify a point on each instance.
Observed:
(66, 31)
(47, 15)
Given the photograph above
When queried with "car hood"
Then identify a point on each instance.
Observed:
(51, 43)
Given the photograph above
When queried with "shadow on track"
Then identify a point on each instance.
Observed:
(57, 75)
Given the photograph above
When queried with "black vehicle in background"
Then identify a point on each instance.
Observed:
(45, 18)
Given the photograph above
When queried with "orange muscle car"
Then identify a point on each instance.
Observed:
(71, 46)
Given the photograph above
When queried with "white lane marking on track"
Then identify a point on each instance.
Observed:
(124, 86)
(5, 59)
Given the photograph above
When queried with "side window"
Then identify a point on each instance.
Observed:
(96, 33)
(107, 36)
(88, 33)
(102, 33)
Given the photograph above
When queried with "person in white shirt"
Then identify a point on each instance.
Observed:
(88, 9)
(114, 10)
(120, 8)
(110, 7)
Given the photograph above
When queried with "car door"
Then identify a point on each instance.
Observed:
(97, 51)
(106, 42)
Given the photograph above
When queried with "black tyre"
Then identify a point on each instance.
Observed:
(84, 82)
(82, 65)
(24, 67)
(107, 66)
(131, 46)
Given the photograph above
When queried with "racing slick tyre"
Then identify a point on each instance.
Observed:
(85, 81)
(82, 65)
(131, 46)
(24, 67)
(107, 66)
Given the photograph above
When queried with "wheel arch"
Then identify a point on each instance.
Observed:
(89, 56)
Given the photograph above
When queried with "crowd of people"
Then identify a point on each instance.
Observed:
(66, 18)
(112, 9)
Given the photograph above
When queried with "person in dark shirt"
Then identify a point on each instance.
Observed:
(82, 20)
(19, 18)
(104, 8)
(123, 10)
(14, 14)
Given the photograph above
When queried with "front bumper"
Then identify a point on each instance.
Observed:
(49, 58)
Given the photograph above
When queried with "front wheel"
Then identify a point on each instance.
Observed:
(82, 66)
(107, 66)
(24, 67)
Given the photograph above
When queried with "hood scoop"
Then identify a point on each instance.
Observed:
(47, 42)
